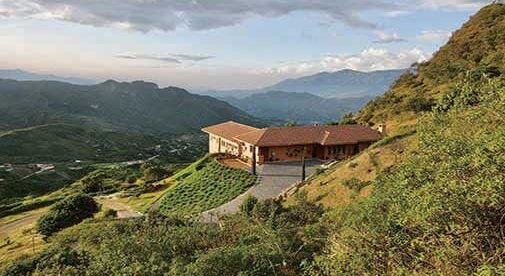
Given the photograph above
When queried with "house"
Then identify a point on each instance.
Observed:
(289, 143)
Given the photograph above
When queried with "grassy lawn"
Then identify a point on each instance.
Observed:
(203, 186)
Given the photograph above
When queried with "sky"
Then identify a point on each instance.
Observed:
(222, 44)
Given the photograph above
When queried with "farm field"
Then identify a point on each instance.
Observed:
(207, 185)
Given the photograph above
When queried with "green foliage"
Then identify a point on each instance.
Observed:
(67, 212)
(477, 48)
(348, 119)
(138, 107)
(93, 182)
(248, 205)
(210, 184)
(154, 172)
(441, 211)
(355, 184)
(159, 245)
(291, 124)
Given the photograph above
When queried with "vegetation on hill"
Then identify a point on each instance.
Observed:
(63, 142)
(131, 107)
(437, 209)
(273, 240)
(66, 213)
(477, 47)
(442, 209)
(207, 185)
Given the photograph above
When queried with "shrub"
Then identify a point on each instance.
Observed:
(68, 212)
(93, 183)
(355, 184)
(248, 205)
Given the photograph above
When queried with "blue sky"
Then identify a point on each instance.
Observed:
(222, 44)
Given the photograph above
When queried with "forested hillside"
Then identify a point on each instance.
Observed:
(435, 207)
(133, 107)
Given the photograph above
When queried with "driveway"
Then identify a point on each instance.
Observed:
(273, 179)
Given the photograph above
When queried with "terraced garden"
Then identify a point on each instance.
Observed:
(208, 185)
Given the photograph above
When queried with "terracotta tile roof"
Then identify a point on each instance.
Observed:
(229, 130)
(324, 135)
(300, 135)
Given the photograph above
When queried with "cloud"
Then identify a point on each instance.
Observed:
(434, 35)
(368, 60)
(383, 38)
(170, 58)
(167, 15)
(453, 4)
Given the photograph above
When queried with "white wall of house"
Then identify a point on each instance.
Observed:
(221, 145)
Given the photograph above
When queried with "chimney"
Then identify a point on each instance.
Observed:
(382, 129)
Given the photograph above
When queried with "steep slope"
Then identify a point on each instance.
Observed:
(133, 107)
(478, 47)
(471, 53)
(303, 108)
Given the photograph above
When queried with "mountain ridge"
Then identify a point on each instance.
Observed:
(346, 83)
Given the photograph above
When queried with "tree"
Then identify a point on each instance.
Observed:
(291, 124)
(70, 211)
(348, 119)
(153, 172)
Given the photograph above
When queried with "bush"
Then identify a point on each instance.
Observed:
(68, 212)
(355, 184)
(93, 183)
(248, 205)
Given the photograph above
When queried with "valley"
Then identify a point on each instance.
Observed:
(404, 169)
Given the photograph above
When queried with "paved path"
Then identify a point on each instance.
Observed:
(273, 180)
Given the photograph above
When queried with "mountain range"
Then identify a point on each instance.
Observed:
(139, 106)
(21, 75)
(303, 108)
(340, 84)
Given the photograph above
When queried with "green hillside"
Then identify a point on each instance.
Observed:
(133, 107)
(63, 142)
(429, 199)
(475, 49)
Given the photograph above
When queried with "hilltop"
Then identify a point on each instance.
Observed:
(134, 107)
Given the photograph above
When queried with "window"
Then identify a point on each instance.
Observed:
(251, 148)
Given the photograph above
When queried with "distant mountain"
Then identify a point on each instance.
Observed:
(134, 107)
(20, 75)
(303, 108)
(340, 84)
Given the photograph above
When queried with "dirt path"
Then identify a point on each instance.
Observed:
(123, 210)
(10, 226)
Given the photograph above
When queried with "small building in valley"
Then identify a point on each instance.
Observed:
(289, 143)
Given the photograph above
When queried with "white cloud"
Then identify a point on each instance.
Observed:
(434, 35)
(167, 15)
(384, 37)
(453, 4)
(368, 60)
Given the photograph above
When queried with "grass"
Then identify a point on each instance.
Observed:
(204, 185)
(329, 188)
(17, 235)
